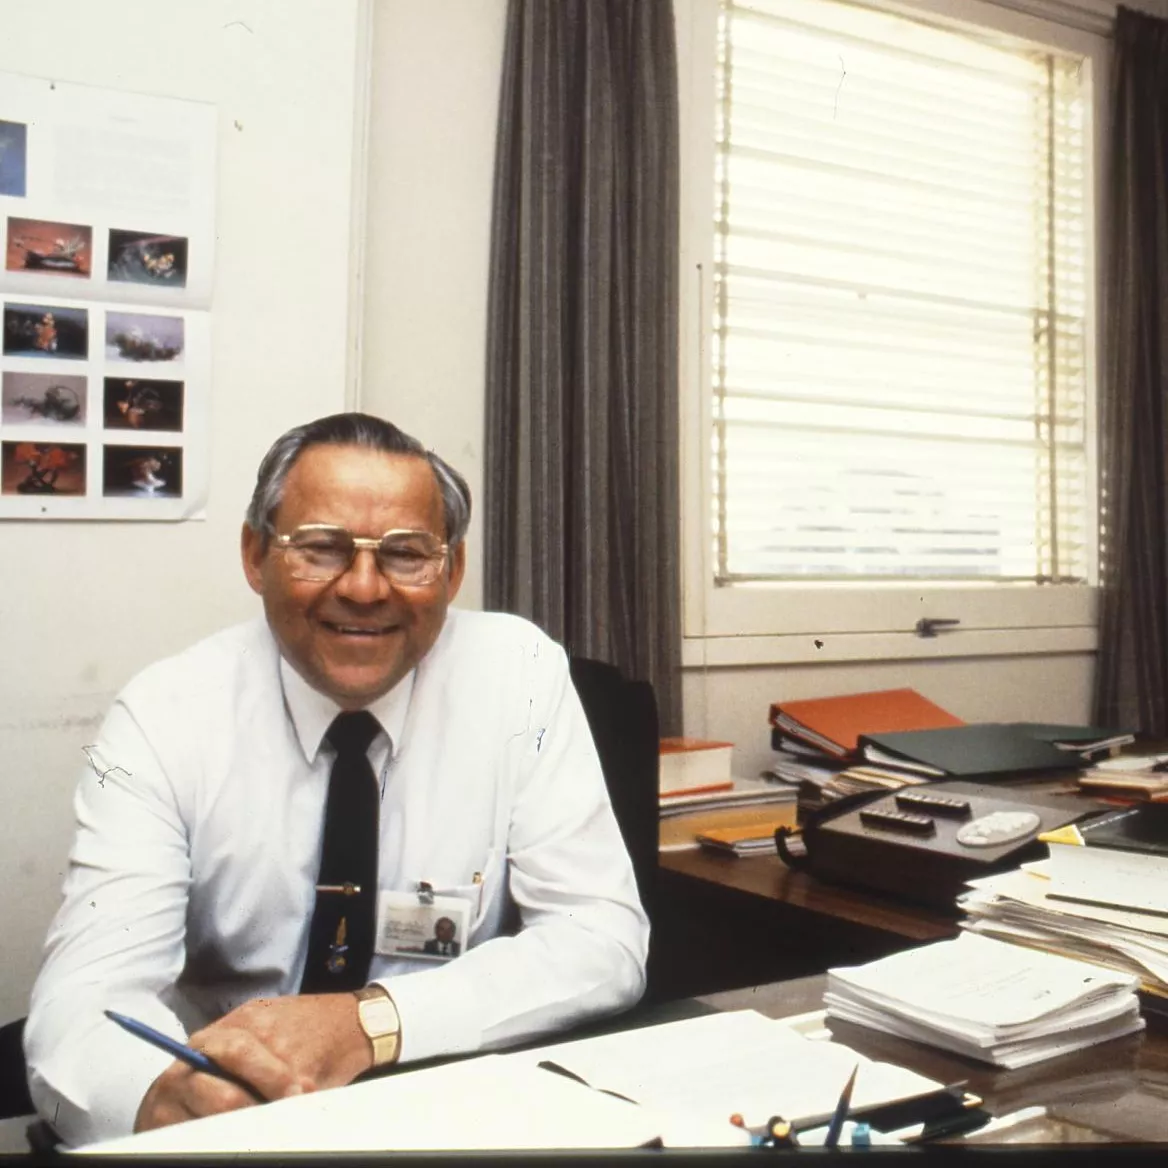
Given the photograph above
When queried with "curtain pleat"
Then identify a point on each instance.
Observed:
(1131, 679)
(582, 506)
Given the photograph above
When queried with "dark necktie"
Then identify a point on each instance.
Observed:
(341, 936)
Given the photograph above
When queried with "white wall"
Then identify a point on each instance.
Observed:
(84, 606)
(434, 106)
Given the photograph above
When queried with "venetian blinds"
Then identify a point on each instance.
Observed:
(900, 289)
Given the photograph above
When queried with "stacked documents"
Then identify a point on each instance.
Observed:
(994, 1002)
(1018, 906)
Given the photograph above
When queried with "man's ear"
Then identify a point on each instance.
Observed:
(253, 553)
(457, 569)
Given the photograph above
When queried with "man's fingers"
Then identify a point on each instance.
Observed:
(248, 1058)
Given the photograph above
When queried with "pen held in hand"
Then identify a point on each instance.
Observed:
(182, 1052)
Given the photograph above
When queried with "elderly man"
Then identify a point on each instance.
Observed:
(268, 815)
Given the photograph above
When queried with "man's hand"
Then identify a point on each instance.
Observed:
(282, 1046)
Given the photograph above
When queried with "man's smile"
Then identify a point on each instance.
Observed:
(362, 630)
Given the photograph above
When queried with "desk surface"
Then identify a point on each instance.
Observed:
(1110, 1093)
(768, 877)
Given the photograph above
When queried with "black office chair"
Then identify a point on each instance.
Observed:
(14, 1097)
(622, 716)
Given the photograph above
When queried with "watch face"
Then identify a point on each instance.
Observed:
(378, 1017)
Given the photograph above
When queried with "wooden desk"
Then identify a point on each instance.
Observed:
(768, 877)
(724, 922)
(1110, 1093)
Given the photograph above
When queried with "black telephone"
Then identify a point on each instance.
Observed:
(924, 842)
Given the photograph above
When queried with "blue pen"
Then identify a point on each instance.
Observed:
(182, 1052)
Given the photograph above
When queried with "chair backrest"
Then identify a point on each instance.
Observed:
(622, 716)
(14, 1097)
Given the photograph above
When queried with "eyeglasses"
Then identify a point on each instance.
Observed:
(320, 552)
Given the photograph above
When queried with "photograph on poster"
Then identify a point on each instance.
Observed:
(37, 330)
(13, 159)
(132, 336)
(56, 398)
(133, 403)
(142, 471)
(42, 468)
(56, 249)
(138, 257)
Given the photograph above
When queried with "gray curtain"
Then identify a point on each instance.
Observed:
(1131, 687)
(582, 496)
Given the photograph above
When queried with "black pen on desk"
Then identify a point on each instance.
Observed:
(841, 1111)
(182, 1052)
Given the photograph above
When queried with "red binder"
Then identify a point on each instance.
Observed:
(835, 724)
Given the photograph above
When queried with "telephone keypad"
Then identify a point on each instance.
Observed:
(927, 801)
(909, 821)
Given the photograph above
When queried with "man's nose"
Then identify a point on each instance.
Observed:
(363, 582)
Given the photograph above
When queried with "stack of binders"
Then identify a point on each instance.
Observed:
(818, 742)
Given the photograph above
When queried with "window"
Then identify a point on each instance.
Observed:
(899, 323)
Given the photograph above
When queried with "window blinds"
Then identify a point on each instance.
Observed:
(900, 291)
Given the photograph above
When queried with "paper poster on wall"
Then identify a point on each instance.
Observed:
(107, 230)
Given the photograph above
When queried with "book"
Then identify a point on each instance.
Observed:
(680, 832)
(692, 764)
(1119, 858)
(744, 839)
(835, 724)
(1132, 786)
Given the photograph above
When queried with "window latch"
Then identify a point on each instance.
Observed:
(930, 626)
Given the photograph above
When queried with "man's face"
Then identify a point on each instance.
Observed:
(444, 929)
(354, 638)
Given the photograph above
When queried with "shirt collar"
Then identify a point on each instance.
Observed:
(312, 712)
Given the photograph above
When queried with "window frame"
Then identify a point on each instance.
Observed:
(778, 622)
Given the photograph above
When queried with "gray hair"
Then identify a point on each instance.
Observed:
(353, 429)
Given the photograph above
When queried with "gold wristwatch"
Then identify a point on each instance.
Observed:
(379, 1019)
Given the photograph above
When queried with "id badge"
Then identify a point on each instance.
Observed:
(431, 929)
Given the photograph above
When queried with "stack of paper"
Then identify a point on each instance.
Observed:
(816, 742)
(987, 1000)
(743, 793)
(1129, 776)
(1018, 906)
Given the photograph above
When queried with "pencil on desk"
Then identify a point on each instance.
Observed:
(841, 1111)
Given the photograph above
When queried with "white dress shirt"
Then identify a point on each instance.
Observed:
(191, 880)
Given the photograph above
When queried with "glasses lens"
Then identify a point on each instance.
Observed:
(413, 557)
(319, 555)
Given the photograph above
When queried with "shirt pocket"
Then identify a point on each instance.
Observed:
(485, 894)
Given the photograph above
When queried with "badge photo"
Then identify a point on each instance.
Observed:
(430, 928)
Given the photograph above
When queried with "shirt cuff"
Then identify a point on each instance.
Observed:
(438, 1013)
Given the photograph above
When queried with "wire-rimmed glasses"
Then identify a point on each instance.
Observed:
(322, 552)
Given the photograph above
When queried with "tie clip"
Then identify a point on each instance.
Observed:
(345, 889)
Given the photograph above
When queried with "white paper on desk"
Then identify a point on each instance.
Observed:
(486, 1103)
(1112, 1019)
(975, 982)
(698, 1072)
